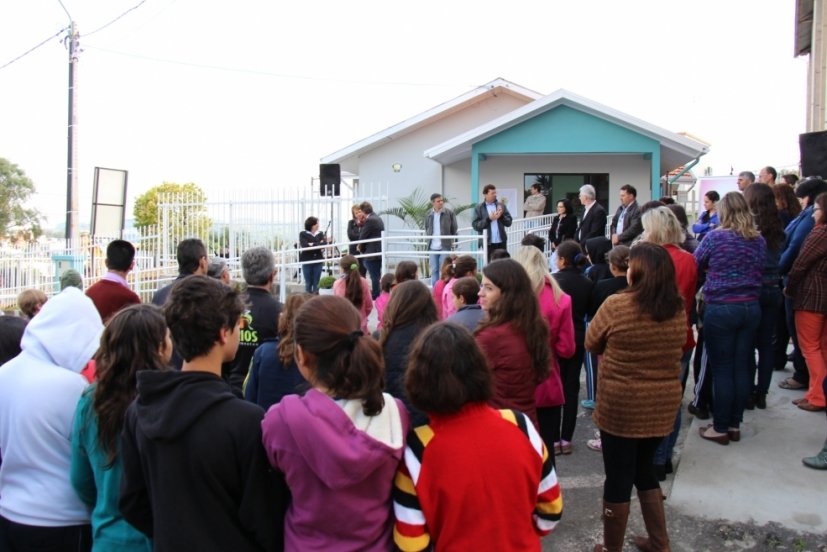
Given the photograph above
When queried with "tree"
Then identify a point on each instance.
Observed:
(15, 189)
(172, 212)
(186, 202)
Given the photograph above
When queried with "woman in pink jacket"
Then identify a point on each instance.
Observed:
(555, 307)
(353, 287)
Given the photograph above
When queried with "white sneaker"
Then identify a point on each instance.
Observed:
(595, 444)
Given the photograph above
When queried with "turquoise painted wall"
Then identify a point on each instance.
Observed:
(566, 130)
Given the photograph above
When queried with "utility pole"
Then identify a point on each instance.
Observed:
(72, 42)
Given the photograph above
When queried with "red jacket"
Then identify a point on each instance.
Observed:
(507, 353)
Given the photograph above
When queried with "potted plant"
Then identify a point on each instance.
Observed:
(326, 285)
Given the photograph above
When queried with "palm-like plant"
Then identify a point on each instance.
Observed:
(412, 211)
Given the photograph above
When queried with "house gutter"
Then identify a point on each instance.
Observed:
(685, 170)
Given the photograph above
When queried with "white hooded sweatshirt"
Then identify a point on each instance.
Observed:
(39, 390)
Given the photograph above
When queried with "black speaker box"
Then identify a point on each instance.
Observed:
(330, 176)
(813, 147)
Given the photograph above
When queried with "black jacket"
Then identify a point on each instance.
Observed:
(562, 229)
(579, 288)
(307, 239)
(593, 224)
(372, 228)
(195, 474)
(353, 230)
(603, 289)
(258, 324)
(482, 221)
(395, 352)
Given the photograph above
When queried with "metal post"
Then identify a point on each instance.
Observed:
(71, 175)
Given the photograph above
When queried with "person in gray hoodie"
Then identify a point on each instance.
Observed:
(39, 390)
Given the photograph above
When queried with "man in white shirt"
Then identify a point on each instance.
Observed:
(439, 222)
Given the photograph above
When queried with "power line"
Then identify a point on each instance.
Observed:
(272, 74)
(102, 27)
(32, 49)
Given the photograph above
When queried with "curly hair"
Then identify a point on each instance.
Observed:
(131, 341)
(198, 308)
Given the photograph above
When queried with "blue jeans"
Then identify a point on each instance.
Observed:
(667, 446)
(312, 273)
(771, 302)
(729, 329)
(435, 260)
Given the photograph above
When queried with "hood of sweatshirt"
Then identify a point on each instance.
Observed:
(170, 402)
(349, 454)
(66, 332)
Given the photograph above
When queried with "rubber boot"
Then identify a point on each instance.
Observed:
(615, 515)
(651, 505)
(819, 461)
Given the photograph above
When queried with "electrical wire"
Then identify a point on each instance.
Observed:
(102, 27)
(32, 49)
(272, 74)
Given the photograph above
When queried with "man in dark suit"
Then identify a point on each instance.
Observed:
(372, 228)
(493, 216)
(626, 225)
(593, 224)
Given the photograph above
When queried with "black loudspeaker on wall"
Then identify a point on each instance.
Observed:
(813, 147)
(330, 176)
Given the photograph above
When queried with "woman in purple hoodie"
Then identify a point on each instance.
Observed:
(340, 444)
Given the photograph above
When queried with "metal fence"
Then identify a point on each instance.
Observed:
(228, 227)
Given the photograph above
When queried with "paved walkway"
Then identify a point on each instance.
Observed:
(760, 478)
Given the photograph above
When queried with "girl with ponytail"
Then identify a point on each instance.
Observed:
(353, 287)
(343, 440)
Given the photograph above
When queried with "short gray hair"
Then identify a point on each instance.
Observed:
(216, 267)
(257, 265)
(588, 191)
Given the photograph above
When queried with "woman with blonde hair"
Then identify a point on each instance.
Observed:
(555, 307)
(353, 287)
(662, 227)
(733, 258)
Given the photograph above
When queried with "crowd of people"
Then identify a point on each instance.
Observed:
(220, 420)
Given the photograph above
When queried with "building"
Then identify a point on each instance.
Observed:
(512, 137)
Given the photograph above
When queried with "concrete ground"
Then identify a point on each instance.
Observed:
(754, 495)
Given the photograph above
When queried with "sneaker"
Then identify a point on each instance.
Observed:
(586, 403)
(595, 444)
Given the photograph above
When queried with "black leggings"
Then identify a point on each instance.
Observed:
(570, 377)
(16, 537)
(627, 462)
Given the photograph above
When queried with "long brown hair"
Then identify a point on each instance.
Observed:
(519, 307)
(342, 359)
(410, 302)
(785, 199)
(353, 281)
(761, 201)
(285, 330)
(654, 286)
(130, 342)
(734, 214)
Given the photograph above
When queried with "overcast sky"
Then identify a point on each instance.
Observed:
(251, 93)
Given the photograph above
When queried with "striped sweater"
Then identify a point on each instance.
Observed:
(480, 479)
